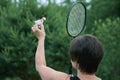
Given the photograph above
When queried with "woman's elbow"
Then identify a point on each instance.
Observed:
(39, 67)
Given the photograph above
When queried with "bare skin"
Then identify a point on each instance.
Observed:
(46, 72)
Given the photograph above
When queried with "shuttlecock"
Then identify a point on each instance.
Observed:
(40, 21)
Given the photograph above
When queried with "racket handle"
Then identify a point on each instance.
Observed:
(40, 21)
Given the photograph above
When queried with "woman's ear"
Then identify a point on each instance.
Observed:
(75, 64)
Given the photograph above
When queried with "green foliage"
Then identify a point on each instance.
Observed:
(18, 44)
(56, 37)
(101, 9)
(108, 32)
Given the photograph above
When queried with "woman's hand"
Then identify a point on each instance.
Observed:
(39, 31)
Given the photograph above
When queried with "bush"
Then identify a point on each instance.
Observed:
(108, 33)
(18, 44)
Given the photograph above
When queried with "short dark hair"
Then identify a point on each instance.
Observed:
(87, 51)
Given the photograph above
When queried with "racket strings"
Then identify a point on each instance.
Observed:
(74, 29)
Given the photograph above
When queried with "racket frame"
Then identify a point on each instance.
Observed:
(68, 18)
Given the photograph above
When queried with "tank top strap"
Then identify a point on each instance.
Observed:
(74, 78)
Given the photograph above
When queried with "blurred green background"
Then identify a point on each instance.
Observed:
(18, 44)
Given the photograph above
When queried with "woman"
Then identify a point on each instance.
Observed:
(86, 53)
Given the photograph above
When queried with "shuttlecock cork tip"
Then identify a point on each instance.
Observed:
(44, 18)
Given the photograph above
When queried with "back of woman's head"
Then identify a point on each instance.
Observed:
(87, 52)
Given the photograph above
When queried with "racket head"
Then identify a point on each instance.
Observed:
(76, 19)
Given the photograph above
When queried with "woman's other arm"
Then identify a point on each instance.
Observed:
(45, 72)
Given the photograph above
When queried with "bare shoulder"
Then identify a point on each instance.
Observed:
(47, 73)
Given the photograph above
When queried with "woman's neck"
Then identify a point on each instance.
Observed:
(85, 76)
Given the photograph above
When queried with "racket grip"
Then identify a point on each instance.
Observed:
(40, 21)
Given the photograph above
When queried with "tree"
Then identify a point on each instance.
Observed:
(18, 43)
(101, 9)
(108, 32)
